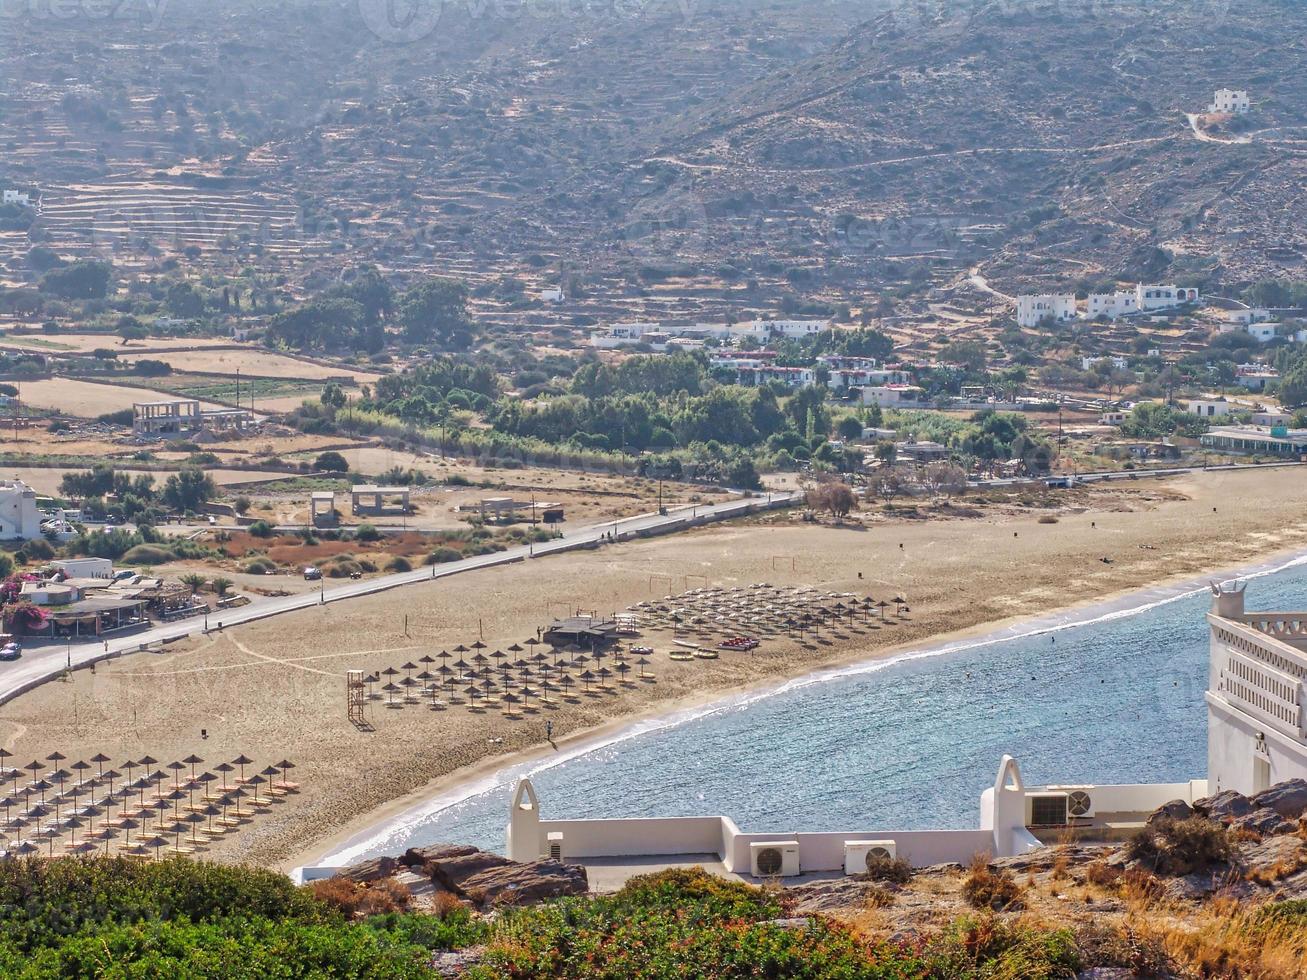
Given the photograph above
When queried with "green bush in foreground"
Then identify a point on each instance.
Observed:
(111, 917)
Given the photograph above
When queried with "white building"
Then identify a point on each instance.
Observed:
(1214, 408)
(20, 520)
(789, 329)
(17, 197)
(1255, 696)
(1163, 297)
(552, 294)
(623, 334)
(894, 396)
(1118, 361)
(1112, 305)
(1262, 332)
(83, 567)
(1034, 310)
(1233, 101)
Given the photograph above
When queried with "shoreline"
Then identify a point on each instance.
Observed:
(369, 830)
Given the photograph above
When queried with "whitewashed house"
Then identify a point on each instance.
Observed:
(20, 520)
(1262, 332)
(1034, 310)
(1209, 408)
(788, 329)
(894, 396)
(552, 294)
(17, 197)
(1118, 361)
(1255, 695)
(1231, 101)
(622, 334)
(1163, 297)
(1111, 305)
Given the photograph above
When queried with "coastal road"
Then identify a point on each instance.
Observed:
(46, 662)
(1112, 476)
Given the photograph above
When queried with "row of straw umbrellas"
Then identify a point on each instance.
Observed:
(766, 609)
(516, 680)
(140, 807)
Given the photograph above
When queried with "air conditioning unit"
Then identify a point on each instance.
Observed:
(774, 858)
(859, 854)
(1059, 807)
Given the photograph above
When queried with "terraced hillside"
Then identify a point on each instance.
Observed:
(667, 159)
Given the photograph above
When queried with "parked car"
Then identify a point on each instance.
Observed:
(10, 651)
(312, 574)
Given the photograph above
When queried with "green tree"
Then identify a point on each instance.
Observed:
(436, 311)
(849, 428)
(193, 581)
(84, 279)
(333, 396)
(189, 489)
(184, 300)
(331, 462)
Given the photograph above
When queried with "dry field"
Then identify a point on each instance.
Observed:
(46, 479)
(256, 362)
(84, 343)
(277, 685)
(86, 399)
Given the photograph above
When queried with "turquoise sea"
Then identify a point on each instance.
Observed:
(1113, 694)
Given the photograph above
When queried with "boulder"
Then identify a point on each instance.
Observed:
(1224, 806)
(1274, 857)
(368, 871)
(416, 857)
(1264, 821)
(1288, 799)
(833, 894)
(1174, 810)
(525, 884)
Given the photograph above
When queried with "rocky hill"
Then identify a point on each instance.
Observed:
(753, 151)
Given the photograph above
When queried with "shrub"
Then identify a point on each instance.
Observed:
(124, 417)
(39, 549)
(259, 566)
(399, 564)
(148, 554)
(367, 532)
(442, 555)
(989, 947)
(331, 462)
(1173, 847)
(261, 529)
(1047, 519)
(984, 888)
(342, 568)
(896, 871)
(242, 504)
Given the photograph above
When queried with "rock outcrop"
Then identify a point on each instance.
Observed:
(472, 875)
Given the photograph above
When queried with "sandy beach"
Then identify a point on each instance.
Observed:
(276, 689)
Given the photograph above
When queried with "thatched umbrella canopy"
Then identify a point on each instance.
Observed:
(8, 802)
(566, 682)
(369, 680)
(177, 769)
(155, 843)
(643, 662)
(42, 785)
(100, 759)
(242, 761)
(285, 765)
(473, 693)
(193, 761)
(426, 660)
(90, 813)
(60, 776)
(479, 645)
(587, 678)
(883, 606)
(210, 812)
(25, 848)
(194, 819)
(80, 768)
(389, 673)
(604, 673)
(390, 688)
(74, 824)
(622, 668)
(499, 655)
(462, 666)
(444, 655)
(224, 768)
(408, 668)
(510, 698)
(527, 694)
(84, 849)
(149, 763)
(516, 648)
(408, 683)
(127, 826)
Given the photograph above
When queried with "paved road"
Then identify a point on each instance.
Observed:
(1116, 475)
(43, 663)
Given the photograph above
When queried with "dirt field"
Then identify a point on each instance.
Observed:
(86, 398)
(86, 342)
(277, 686)
(46, 479)
(256, 362)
